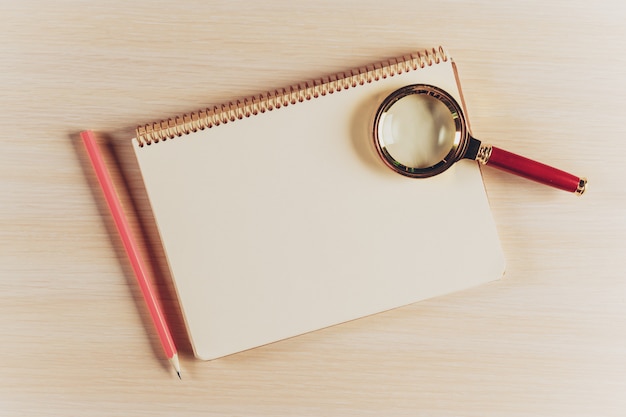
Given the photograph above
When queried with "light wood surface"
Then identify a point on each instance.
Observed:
(545, 79)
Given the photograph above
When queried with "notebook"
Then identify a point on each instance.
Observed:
(277, 218)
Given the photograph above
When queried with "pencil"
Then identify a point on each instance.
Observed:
(131, 248)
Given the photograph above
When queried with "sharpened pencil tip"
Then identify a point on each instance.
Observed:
(175, 364)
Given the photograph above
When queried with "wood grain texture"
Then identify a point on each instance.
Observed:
(545, 79)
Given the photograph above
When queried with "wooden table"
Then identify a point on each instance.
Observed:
(545, 79)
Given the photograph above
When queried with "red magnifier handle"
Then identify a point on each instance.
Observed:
(533, 170)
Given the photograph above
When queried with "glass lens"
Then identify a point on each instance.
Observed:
(418, 131)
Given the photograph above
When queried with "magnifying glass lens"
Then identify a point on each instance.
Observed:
(418, 131)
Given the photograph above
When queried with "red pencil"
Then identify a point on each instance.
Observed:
(139, 267)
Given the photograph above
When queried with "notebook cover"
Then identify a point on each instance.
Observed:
(286, 222)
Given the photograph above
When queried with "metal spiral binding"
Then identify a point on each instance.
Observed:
(251, 106)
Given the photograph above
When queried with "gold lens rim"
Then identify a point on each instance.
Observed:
(457, 150)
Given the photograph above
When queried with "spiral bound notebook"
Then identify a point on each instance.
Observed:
(277, 217)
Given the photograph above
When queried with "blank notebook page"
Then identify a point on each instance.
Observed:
(286, 222)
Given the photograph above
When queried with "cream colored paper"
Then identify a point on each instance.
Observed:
(286, 222)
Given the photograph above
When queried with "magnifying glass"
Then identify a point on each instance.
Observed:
(421, 131)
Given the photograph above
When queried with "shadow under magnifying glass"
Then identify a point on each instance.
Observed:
(361, 122)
